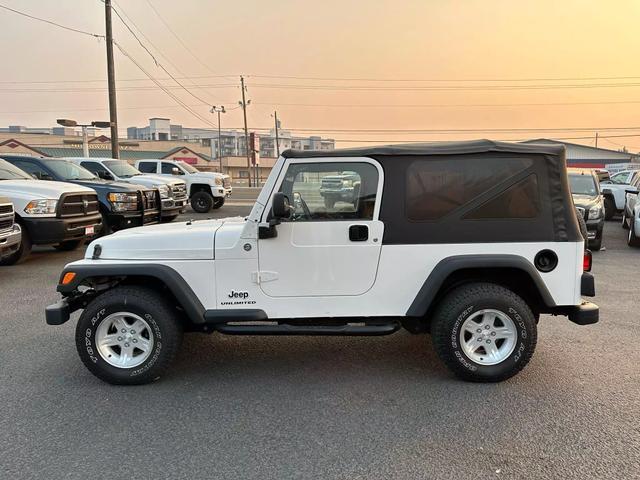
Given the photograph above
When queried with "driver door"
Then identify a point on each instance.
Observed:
(330, 246)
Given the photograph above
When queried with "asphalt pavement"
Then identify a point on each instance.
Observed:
(322, 407)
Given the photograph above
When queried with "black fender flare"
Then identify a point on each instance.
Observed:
(178, 286)
(449, 265)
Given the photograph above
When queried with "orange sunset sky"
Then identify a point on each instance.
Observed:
(357, 71)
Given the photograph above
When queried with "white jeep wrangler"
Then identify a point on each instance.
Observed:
(468, 241)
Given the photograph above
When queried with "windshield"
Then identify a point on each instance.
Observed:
(621, 178)
(121, 168)
(68, 170)
(189, 168)
(9, 172)
(583, 185)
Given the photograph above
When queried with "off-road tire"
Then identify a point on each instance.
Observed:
(609, 208)
(218, 202)
(202, 202)
(159, 314)
(23, 251)
(632, 239)
(463, 302)
(69, 245)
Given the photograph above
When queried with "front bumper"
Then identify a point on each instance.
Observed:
(594, 228)
(47, 231)
(10, 242)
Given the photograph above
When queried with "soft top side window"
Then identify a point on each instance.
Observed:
(331, 191)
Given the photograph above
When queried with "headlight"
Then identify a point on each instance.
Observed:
(164, 191)
(123, 202)
(595, 212)
(347, 183)
(41, 207)
(218, 181)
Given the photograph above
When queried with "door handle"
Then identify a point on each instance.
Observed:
(358, 233)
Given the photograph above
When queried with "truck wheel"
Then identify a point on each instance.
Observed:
(484, 332)
(329, 202)
(609, 208)
(201, 202)
(69, 245)
(23, 251)
(128, 335)
(632, 239)
(218, 202)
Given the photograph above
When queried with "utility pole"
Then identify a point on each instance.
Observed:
(596, 139)
(275, 116)
(219, 110)
(111, 78)
(244, 104)
(85, 142)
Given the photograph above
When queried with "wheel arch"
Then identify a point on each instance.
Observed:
(159, 277)
(511, 271)
(199, 187)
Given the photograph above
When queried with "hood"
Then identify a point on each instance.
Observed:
(110, 186)
(207, 175)
(40, 189)
(146, 180)
(173, 241)
(585, 201)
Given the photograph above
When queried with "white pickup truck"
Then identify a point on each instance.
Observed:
(10, 232)
(614, 191)
(207, 190)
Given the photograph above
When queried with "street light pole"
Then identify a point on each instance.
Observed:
(111, 80)
(275, 116)
(219, 110)
(65, 122)
(85, 141)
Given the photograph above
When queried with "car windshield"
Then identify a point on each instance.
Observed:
(9, 172)
(69, 170)
(121, 168)
(583, 185)
(189, 168)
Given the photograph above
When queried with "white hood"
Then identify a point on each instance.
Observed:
(148, 180)
(39, 189)
(175, 241)
(207, 175)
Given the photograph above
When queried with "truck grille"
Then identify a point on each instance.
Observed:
(78, 204)
(6, 217)
(226, 182)
(150, 200)
(6, 224)
(179, 191)
(331, 183)
(4, 209)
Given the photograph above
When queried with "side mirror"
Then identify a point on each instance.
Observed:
(175, 171)
(632, 191)
(280, 207)
(105, 175)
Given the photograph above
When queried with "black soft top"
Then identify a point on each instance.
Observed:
(433, 148)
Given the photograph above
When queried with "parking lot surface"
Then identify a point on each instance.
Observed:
(322, 407)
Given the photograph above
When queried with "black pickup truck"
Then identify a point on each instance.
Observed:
(122, 205)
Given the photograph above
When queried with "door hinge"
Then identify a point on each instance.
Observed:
(261, 277)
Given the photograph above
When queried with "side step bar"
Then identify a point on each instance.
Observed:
(274, 328)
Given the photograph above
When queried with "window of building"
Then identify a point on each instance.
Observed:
(435, 188)
(331, 191)
(243, 174)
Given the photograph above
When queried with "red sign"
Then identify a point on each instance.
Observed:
(189, 160)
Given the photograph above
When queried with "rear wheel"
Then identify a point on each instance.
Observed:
(202, 202)
(23, 251)
(609, 208)
(128, 335)
(632, 239)
(69, 245)
(484, 332)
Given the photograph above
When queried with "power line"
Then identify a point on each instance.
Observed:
(377, 79)
(50, 22)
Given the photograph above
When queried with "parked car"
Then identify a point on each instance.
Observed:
(621, 178)
(587, 198)
(173, 193)
(614, 192)
(631, 214)
(49, 213)
(10, 232)
(469, 241)
(207, 190)
(122, 205)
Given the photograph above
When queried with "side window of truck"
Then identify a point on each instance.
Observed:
(331, 191)
(148, 167)
(94, 167)
(33, 169)
(167, 169)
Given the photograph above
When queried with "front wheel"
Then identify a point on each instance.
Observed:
(128, 335)
(201, 202)
(632, 239)
(609, 208)
(625, 222)
(484, 332)
(23, 250)
(218, 202)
